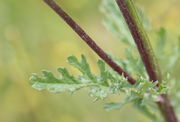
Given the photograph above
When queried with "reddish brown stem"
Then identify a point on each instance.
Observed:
(89, 40)
(138, 38)
(167, 109)
(145, 50)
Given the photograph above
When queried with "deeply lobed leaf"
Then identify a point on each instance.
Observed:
(108, 82)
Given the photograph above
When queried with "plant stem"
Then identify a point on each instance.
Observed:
(89, 40)
(141, 39)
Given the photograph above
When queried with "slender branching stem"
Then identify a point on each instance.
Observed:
(141, 39)
(89, 40)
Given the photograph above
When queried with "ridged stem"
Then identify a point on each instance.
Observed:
(141, 39)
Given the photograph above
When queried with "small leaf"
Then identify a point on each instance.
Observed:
(112, 106)
(82, 66)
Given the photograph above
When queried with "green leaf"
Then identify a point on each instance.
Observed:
(108, 82)
(49, 82)
(82, 66)
(161, 41)
(146, 111)
(132, 64)
(100, 86)
(112, 106)
(115, 22)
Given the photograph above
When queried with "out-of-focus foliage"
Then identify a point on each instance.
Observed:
(114, 21)
(169, 56)
(32, 38)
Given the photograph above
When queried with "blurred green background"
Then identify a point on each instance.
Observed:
(32, 38)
